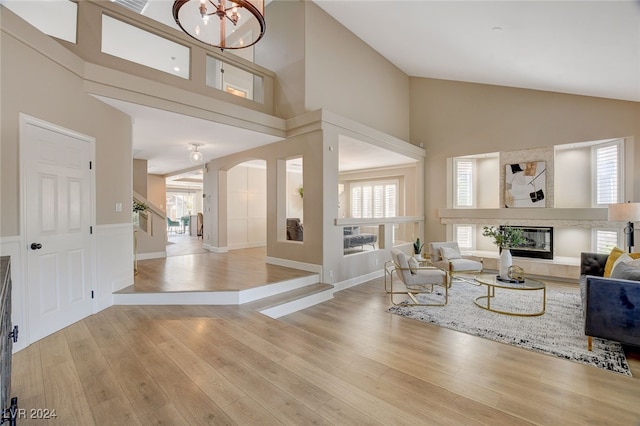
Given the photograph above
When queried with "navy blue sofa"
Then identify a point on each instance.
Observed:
(610, 306)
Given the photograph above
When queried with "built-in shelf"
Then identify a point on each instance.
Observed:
(560, 217)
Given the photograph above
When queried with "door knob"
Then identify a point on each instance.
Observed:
(36, 246)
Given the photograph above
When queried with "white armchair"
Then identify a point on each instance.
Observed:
(447, 256)
(415, 279)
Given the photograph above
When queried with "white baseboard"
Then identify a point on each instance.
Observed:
(156, 255)
(343, 285)
(213, 249)
(310, 267)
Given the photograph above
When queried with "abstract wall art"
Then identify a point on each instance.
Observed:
(524, 184)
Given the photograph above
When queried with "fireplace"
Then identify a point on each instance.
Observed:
(538, 242)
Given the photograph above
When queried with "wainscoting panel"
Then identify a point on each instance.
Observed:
(114, 261)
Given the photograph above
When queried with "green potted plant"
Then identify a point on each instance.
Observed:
(417, 248)
(139, 206)
(505, 237)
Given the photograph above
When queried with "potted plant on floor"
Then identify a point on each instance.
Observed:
(505, 237)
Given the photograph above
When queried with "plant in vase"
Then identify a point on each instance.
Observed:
(417, 248)
(505, 237)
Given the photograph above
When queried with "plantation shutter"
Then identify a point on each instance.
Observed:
(464, 182)
(605, 240)
(607, 174)
(374, 199)
(464, 236)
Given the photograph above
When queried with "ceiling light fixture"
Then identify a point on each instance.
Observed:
(214, 22)
(196, 156)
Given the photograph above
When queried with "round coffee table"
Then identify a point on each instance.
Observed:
(529, 285)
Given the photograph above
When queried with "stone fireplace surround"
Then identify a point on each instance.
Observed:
(560, 267)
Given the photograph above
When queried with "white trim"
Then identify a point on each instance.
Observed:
(154, 255)
(24, 121)
(213, 249)
(212, 297)
(247, 245)
(298, 304)
(351, 282)
(311, 267)
(114, 261)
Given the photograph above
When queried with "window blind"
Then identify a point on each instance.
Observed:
(464, 236)
(605, 240)
(374, 199)
(607, 172)
(464, 169)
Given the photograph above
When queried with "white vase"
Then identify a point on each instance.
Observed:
(505, 262)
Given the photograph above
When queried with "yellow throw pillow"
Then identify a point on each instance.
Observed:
(613, 256)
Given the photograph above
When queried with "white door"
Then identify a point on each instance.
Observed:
(58, 216)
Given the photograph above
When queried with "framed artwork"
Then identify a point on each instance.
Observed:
(525, 184)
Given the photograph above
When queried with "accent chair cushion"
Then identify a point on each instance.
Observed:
(413, 265)
(450, 253)
(435, 249)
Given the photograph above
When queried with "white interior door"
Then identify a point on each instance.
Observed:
(58, 215)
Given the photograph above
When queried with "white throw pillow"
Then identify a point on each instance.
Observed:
(449, 253)
(413, 265)
(624, 258)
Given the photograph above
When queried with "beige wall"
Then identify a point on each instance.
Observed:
(282, 50)
(454, 119)
(322, 65)
(157, 192)
(140, 177)
(346, 76)
(309, 146)
(48, 88)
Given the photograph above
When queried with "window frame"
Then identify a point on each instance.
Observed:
(472, 233)
(619, 144)
(471, 183)
(595, 239)
(372, 183)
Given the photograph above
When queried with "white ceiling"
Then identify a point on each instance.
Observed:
(579, 47)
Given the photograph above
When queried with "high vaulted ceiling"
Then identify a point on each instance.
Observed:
(579, 47)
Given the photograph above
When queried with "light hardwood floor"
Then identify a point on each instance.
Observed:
(346, 361)
(206, 271)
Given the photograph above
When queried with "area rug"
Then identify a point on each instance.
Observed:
(558, 332)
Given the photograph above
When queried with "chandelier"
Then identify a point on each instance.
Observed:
(221, 23)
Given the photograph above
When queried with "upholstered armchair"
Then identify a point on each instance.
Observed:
(447, 256)
(294, 229)
(415, 279)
